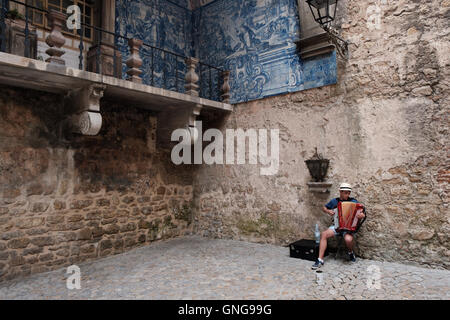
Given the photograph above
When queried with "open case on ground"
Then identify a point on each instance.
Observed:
(305, 249)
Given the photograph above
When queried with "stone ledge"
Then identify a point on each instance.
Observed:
(319, 187)
(38, 75)
(314, 46)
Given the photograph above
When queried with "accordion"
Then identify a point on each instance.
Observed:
(345, 218)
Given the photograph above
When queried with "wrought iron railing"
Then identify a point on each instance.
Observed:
(146, 64)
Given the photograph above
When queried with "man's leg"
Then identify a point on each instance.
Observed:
(323, 241)
(349, 242)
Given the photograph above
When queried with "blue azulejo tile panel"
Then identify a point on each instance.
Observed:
(255, 40)
(182, 3)
(164, 24)
(198, 3)
(319, 71)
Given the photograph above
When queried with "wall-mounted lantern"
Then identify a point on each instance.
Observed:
(318, 167)
(324, 13)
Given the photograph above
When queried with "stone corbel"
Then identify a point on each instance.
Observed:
(85, 105)
(177, 118)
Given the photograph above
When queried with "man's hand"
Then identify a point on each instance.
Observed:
(327, 211)
(360, 215)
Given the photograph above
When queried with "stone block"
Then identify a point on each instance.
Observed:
(35, 189)
(97, 232)
(33, 250)
(17, 261)
(11, 193)
(422, 234)
(84, 234)
(161, 190)
(4, 256)
(20, 243)
(56, 219)
(87, 249)
(128, 199)
(42, 241)
(63, 253)
(46, 257)
(59, 205)
(130, 242)
(11, 235)
(103, 203)
(39, 207)
(142, 238)
(112, 229)
(32, 260)
(128, 227)
(144, 224)
(93, 215)
(105, 244)
(81, 204)
(146, 210)
(118, 244)
(145, 199)
(75, 218)
(75, 225)
(28, 223)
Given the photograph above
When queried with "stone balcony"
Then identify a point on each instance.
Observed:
(38, 75)
(83, 89)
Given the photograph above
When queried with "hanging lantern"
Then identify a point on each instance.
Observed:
(324, 11)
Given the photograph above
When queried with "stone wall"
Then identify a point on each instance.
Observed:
(66, 199)
(384, 126)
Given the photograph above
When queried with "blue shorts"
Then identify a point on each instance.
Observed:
(341, 233)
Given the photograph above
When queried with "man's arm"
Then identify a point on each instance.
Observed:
(327, 211)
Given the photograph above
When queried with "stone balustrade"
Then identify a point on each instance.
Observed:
(191, 78)
(55, 39)
(226, 87)
(134, 62)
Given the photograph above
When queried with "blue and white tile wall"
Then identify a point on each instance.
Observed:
(255, 39)
(252, 38)
(164, 24)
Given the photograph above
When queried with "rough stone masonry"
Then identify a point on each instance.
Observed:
(384, 127)
(67, 199)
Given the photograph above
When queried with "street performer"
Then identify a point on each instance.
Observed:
(344, 195)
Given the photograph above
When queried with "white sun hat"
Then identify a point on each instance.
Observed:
(345, 187)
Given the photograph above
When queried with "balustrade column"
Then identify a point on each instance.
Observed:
(134, 62)
(226, 87)
(55, 39)
(191, 77)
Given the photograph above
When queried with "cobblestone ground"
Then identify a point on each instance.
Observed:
(200, 268)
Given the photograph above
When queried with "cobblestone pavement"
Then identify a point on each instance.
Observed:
(199, 268)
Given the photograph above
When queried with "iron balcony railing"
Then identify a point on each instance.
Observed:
(160, 68)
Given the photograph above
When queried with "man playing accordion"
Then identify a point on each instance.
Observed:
(331, 208)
